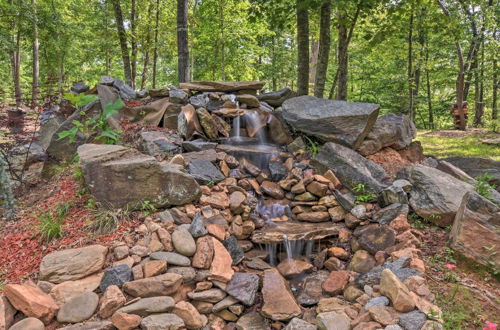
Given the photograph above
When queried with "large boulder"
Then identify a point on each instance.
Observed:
(390, 130)
(436, 196)
(350, 167)
(123, 178)
(72, 264)
(156, 143)
(343, 122)
(276, 98)
(476, 229)
(64, 149)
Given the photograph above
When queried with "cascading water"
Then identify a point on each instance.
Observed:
(253, 119)
(235, 134)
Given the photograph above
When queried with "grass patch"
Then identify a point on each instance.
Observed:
(460, 308)
(469, 145)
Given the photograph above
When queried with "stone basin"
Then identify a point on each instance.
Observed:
(295, 231)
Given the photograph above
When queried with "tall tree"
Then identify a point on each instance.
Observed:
(494, 109)
(411, 81)
(155, 50)
(147, 45)
(302, 47)
(182, 41)
(324, 48)
(123, 41)
(133, 41)
(36, 62)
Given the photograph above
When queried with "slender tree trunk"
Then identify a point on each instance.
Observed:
(410, 67)
(313, 61)
(460, 88)
(144, 75)
(182, 40)
(342, 57)
(302, 47)
(36, 63)
(192, 24)
(494, 109)
(123, 41)
(478, 103)
(222, 41)
(133, 41)
(429, 95)
(155, 50)
(324, 48)
(15, 60)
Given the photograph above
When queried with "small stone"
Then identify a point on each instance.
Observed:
(171, 258)
(197, 227)
(203, 307)
(192, 319)
(63, 292)
(412, 320)
(336, 282)
(31, 301)
(362, 262)
(317, 189)
(293, 267)
(29, 323)
(139, 250)
(165, 284)
(224, 303)
(146, 306)
(272, 189)
(165, 239)
(279, 302)
(305, 197)
(188, 273)
(184, 242)
(333, 321)
(7, 313)
(384, 315)
(298, 324)
(220, 268)
(236, 309)
(351, 293)
(117, 275)
(377, 301)
(124, 321)
(359, 211)
(162, 321)
(137, 272)
(111, 301)
(121, 252)
(338, 252)
(211, 296)
(234, 249)
(204, 253)
(154, 267)
(396, 291)
(314, 216)
(252, 321)
(432, 325)
(337, 213)
(244, 287)
(78, 309)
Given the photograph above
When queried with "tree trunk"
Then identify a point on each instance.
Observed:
(324, 48)
(182, 40)
(429, 95)
(144, 75)
(410, 67)
(133, 41)
(302, 47)
(155, 50)
(494, 109)
(342, 57)
(460, 89)
(123, 41)
(222, 41)
(36, 63)
(15, 60)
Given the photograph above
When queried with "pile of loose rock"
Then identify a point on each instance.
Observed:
(211, 257)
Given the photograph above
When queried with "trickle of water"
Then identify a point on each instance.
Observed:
(288, 247)
(236, 127)
(271, 253)
(255, 121)
(268, 212)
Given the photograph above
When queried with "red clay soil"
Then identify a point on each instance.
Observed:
(21, 248)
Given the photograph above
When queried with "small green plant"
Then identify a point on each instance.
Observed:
(361, 195)
(147, 208)
(50, 223)
(312, 146)
(106, 221)
(99, 123)
(483, 186)
(210, 184)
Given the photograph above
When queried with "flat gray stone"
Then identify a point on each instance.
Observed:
(147, 306)
(79, 308)
(165, 321)
(171, 258)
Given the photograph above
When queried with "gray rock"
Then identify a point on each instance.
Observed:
(403, 184)
(387, 214)
(184, 242)
(393, 194)
(476, 226)
(350, 167)
(393, 327)
(204, 171)
(277, 171)
(117, 275)
(157, 143)
(142, 93)
(224, 303)
(80, 87)
(233, 247)
(79, 308)
(166, 216)
(343, 122)
(359, 211)
(377, 301)
(29, 323)
(188, 273)
(159, 92)
(171, 258)
(111, 170)
(199, 101)
(126, 92)
(412, 320)
(48, 127)
(333, 321)
(475, 166)
(177, 96)
(454, 171)
(311, 291)
(398, 267)
(244, 287)
(197, 227)
(252, 321)
(211, 295)
(436, 196)
(390, 130)
(258, 264)
(92, 325)
(299, 324)
(162, 321)
(345, 200)
(198, 145)
(65, 149)
(276, 98)
(146, 306)
(297, 145)
(107, 80)
(375, 237)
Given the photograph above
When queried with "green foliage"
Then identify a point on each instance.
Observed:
(80, 100)
(312, 146)
(50, 223)
(147, 207)
(99, 123)
(361, 195)
(483, 186)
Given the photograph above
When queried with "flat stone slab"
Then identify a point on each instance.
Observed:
(222, 86)
(296, 231)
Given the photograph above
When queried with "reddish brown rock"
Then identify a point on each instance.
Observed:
(220, 269)
(236, 200)
(384, 315)
(279, 302)
(204, 253)
(362, 262)
(67, 290)
(32, 301)
(161, 285)
(165, 239)
(314, 216)
(396, 291)
(336, 282)
(188, 313)
(111, 301)
(317, 189)
(338, 252)
(124, 321)
(292, 267)
(400, 223)
(219, 200)
(272, 189)
(333, 179)
(154, 267)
